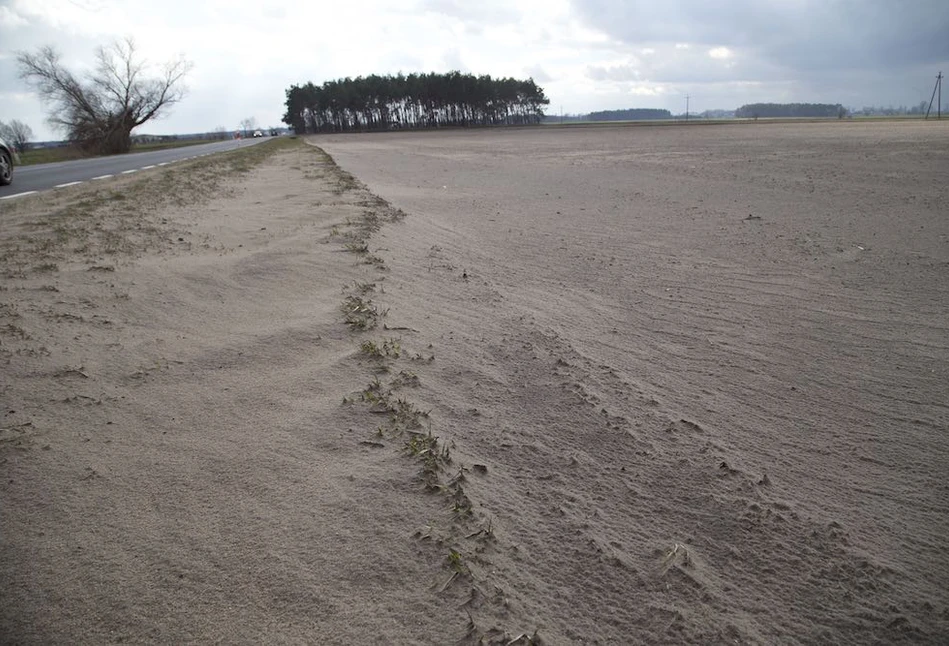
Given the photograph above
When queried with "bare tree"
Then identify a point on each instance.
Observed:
(248, 124)
(99, 111)
(17, 133)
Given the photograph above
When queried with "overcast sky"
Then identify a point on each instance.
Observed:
(586, 54)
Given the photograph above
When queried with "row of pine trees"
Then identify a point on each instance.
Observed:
(413, 101)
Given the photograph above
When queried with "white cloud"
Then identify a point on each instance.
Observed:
(247, 53)
(10, 19)
(647, 90)
(587, 54)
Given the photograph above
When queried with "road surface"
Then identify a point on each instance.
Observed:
(43, 177)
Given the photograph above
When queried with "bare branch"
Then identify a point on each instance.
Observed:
(165, 92)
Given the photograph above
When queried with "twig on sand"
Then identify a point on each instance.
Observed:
(386, 326)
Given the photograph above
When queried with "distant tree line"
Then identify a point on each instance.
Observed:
(891, 111)
(717, 114)
(630, 114)
(413, 101)
(770, 110)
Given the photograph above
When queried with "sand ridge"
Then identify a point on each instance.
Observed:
(178, 464)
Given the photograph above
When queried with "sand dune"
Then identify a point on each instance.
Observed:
(688, 385)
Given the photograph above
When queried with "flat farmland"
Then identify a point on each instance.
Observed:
(610, 385)
(708, 368)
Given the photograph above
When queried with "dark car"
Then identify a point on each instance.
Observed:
(6, 163)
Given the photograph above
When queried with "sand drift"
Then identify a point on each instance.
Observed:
(545, 385)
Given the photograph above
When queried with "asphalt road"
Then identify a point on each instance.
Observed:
(43, 177)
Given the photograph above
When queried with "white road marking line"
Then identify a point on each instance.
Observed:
(130, 171)
(103, 177)
(147, 167)
(10, 197)
(67, 184)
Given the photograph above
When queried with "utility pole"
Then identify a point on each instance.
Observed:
(686, 107)
(937, 89)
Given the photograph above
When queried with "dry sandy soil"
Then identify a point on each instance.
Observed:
(593, 385)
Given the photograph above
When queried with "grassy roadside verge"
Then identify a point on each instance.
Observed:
(103, 223)
(68, 153)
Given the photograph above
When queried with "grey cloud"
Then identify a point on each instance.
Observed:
(667, 64)
(804, 35)
(620, 73)
(9, 78)
(452, 60)
(539, 74)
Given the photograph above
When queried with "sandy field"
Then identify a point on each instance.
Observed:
(608, 385)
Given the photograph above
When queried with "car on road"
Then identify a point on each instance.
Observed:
(258, 134)
(7, 157)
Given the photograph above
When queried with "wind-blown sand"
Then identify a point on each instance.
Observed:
(693, 382)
